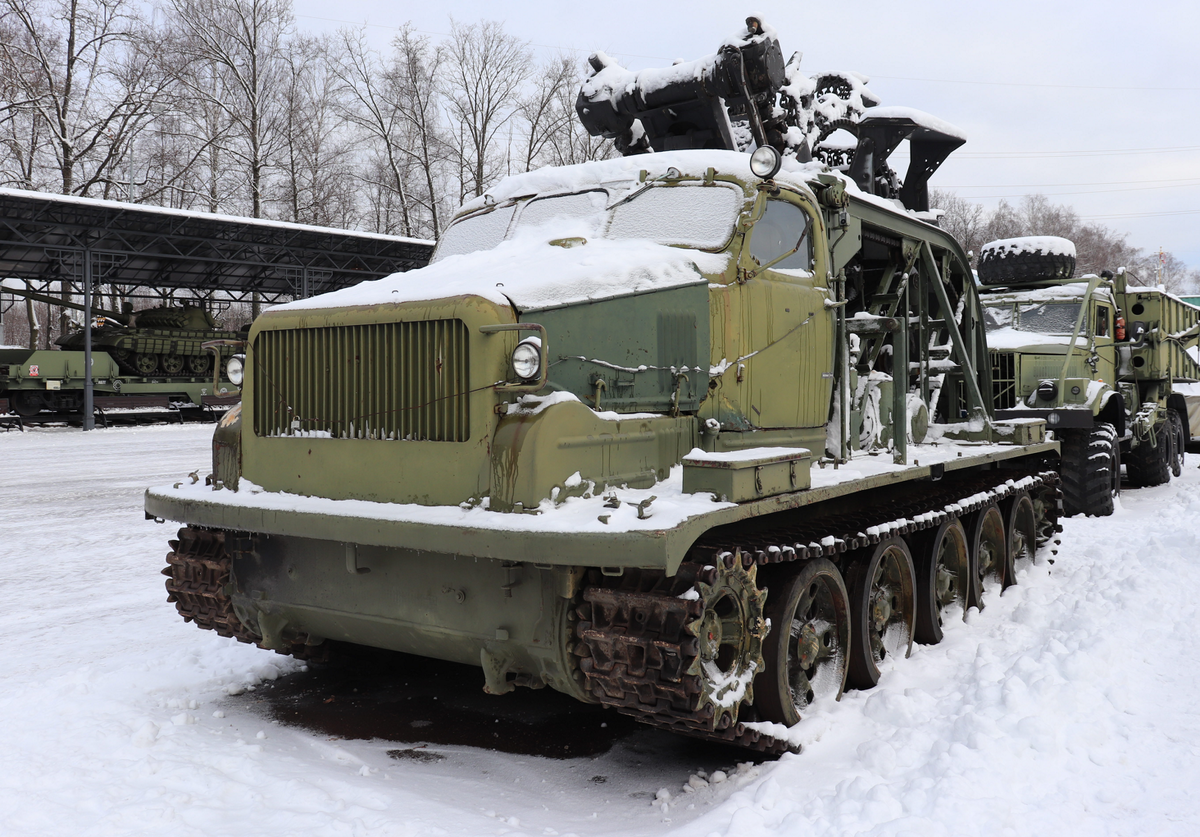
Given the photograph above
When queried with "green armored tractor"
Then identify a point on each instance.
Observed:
(1094, 357)
(698, 434)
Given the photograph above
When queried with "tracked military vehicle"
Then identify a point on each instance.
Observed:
(156, 351)
(1094, 357)
(700, 435)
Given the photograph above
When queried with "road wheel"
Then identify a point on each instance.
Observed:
(882, 609)
(942, 563)
(1178, 442)
(171, 364)
(199, 364)
(1151, 465)
(145, 363)
(1020, 522)
(1091, 470)
(989, 551)
(807, 650)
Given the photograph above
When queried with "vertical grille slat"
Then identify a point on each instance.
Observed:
(1004, 380)
(377, 381)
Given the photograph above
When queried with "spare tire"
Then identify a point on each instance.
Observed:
(1017, 261)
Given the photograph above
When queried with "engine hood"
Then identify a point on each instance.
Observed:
(533, 274)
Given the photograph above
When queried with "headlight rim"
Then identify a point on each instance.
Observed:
(529, 344)
(235, 369)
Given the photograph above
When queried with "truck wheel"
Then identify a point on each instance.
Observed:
(1091, 470)
(805, 652)
(943, 561)
(1148, 465)
(1012, 262)
(1178, 442)
(882, 610)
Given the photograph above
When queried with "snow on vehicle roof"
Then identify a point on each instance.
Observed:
(925, 120)
(624, 173)
(1051, 245)
(531, 274)
(209, 216)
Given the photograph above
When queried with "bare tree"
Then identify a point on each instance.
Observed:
(316, 186)
(543, 118)
(486, 70)
(242, 41)
(84, 70)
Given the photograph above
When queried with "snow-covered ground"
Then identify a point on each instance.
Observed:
(1071, 705)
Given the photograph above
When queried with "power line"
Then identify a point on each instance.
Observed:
(1056, 185)
(1030, 84)
(1143, 214)
(1084, 192)
(1029, 155)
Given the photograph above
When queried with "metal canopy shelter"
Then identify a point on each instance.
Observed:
(147, 250)
(74, 244)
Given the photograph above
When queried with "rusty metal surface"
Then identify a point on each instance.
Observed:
(199, 583)
(637, 641)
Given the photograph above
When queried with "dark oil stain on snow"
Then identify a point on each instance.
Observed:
(370, 694)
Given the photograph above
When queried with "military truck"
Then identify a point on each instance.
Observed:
(1096, 358)
(700, 435)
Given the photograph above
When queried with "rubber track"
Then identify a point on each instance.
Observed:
(634, 643)
(199, 583)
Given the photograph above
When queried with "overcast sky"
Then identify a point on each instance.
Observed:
(1093, 104)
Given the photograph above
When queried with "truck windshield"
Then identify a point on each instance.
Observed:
(689, 216)
(686, 216)
(1039, 317)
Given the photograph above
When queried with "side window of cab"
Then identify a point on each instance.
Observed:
(1102, 321)
(782, 224)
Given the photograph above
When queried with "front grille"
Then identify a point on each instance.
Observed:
(386, 381)
(1004, 380)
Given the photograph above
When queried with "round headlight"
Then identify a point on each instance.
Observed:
(1053, 419)
(527, 359)
(234, 369)
(1047, 390)
(765, 162)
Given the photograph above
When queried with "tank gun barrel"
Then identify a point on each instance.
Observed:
(123, 319)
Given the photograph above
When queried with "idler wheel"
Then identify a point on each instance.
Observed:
(882, 609)
(807, 650)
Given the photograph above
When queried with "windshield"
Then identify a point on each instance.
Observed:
(1040, 317)
(586, 206)
(478, 232)
(691, 216)
(688, 216)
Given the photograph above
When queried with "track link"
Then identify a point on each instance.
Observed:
(636, 641)
(199, 584)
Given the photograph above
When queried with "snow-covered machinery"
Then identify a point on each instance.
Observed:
(155, 351)
(1098, 359)
(700, 435)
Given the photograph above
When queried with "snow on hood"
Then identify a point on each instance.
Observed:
(532, 274)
